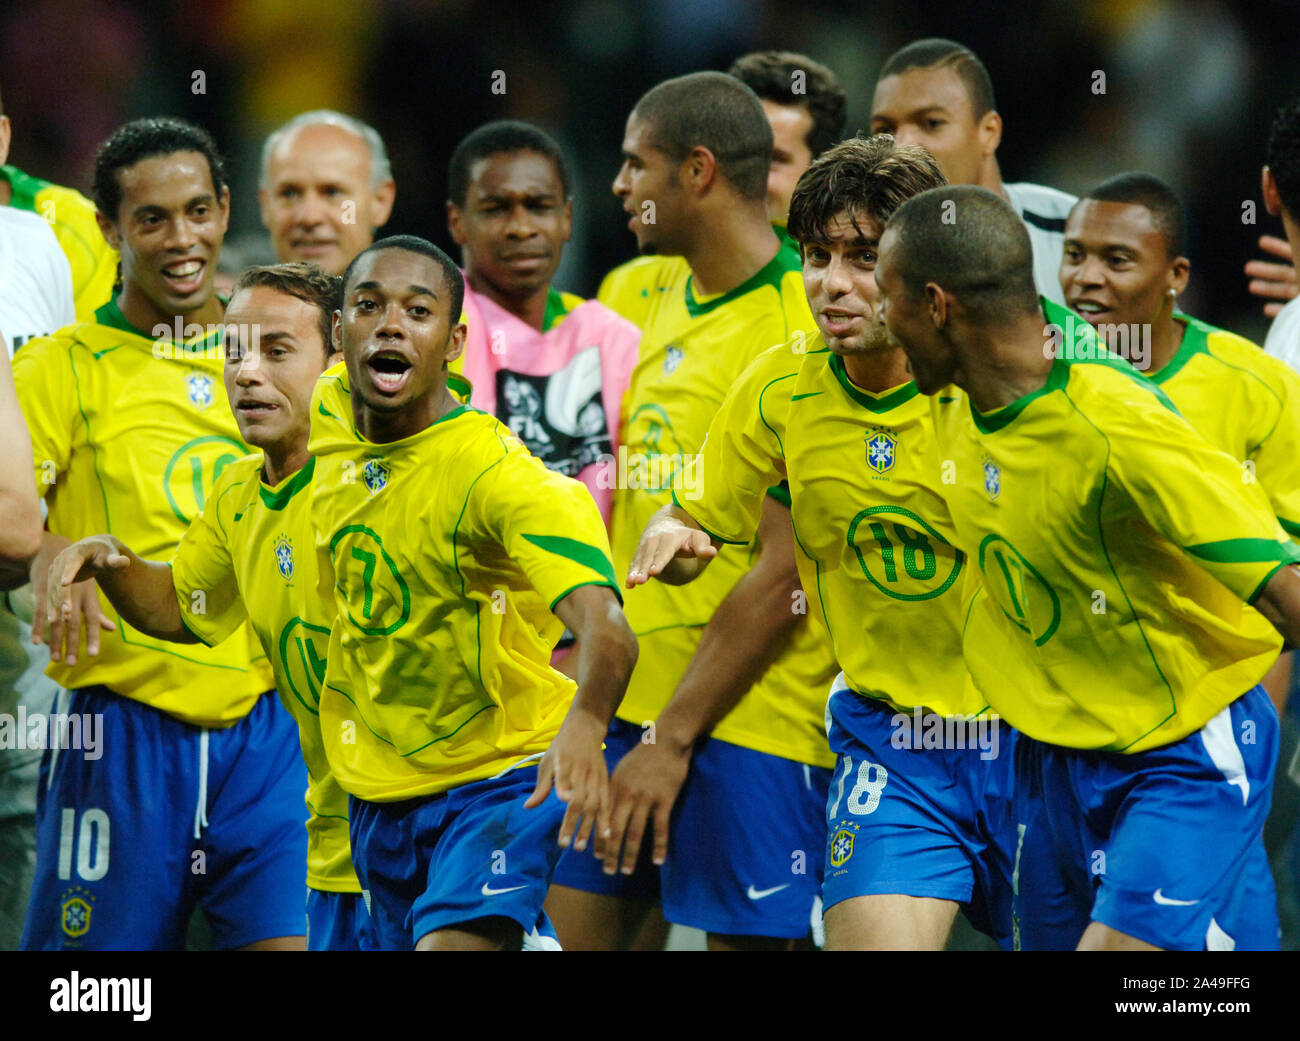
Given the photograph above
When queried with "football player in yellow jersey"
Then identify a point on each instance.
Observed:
(198, 765)
(910, 834)
(454, 558)
(804, 103)
(92, 261)
(1118, 552)
(696, 159)
(251, 555)
(1123, 270)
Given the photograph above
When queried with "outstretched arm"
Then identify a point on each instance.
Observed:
(605, 650)
(141, 590)
(745, 635)
(673, 549)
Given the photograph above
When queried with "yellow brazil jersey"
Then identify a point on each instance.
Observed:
(71, 217)
(875, 539)
(1118, 551)
(250, 556)
(444, 553)
(1245, 402)
(692, 352)
(129, 435)
(627, 289)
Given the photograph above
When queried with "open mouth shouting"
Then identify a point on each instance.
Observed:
(389, 369)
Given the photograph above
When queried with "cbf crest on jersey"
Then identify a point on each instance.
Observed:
(841, 847)
(992, 478)
(673, 358)
(198, 387)
(375, 475)
(882, 450)
(283, 546)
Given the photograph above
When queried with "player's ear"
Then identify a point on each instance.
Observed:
(1268, 185)
(336, 333)
(990, 132)
(1180, 270)
(109, 230)
(456, 224)
(937, 302)
(223, 204)
(385, 195)
(699, 169)
(5, 136)
(455, 343)
(566, 224)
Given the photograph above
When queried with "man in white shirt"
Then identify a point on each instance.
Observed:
(937, 94)
(35, 300)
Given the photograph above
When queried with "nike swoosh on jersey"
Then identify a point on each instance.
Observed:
(487, 889)
(1168, 902)
(758, 894)
(800, 397)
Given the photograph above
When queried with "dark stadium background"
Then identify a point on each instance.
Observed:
(1191, 86)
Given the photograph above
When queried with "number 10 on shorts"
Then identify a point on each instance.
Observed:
(90, 842)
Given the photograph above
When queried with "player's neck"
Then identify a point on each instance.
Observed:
(877, 371)
(1166, 338)
(529, 309)
(990, 177)
(383, 428)
(145, 315)
(1290, 227)
(283, 461)
(6, 192)
(731, 251)
(1003, 364)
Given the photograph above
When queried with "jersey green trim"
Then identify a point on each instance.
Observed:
(1290, 527)
(770, 274)
(24, 188)
(1195, 341)
(713, 535)
(581, 553)
(761, 394)
(278, 500)
(1267, 579)
(111, 315)
(999, 418)
(1246, 551)
(1101, 541)
(456, 384)
(871, 402)
(618, 595)
(781, 493)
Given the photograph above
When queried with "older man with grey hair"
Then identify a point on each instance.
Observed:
(326, 186)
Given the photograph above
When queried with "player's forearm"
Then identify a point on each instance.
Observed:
(144, 595)
(1279, 602)
(605, 650)
(747, 632)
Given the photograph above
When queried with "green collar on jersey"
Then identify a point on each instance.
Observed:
(111, 315)
(1195, 341)
(1057, 377)
(770, 274)
(278, 498)
(25, 187)
(871, 402)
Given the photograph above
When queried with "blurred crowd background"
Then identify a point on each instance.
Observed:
(1190, 89)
